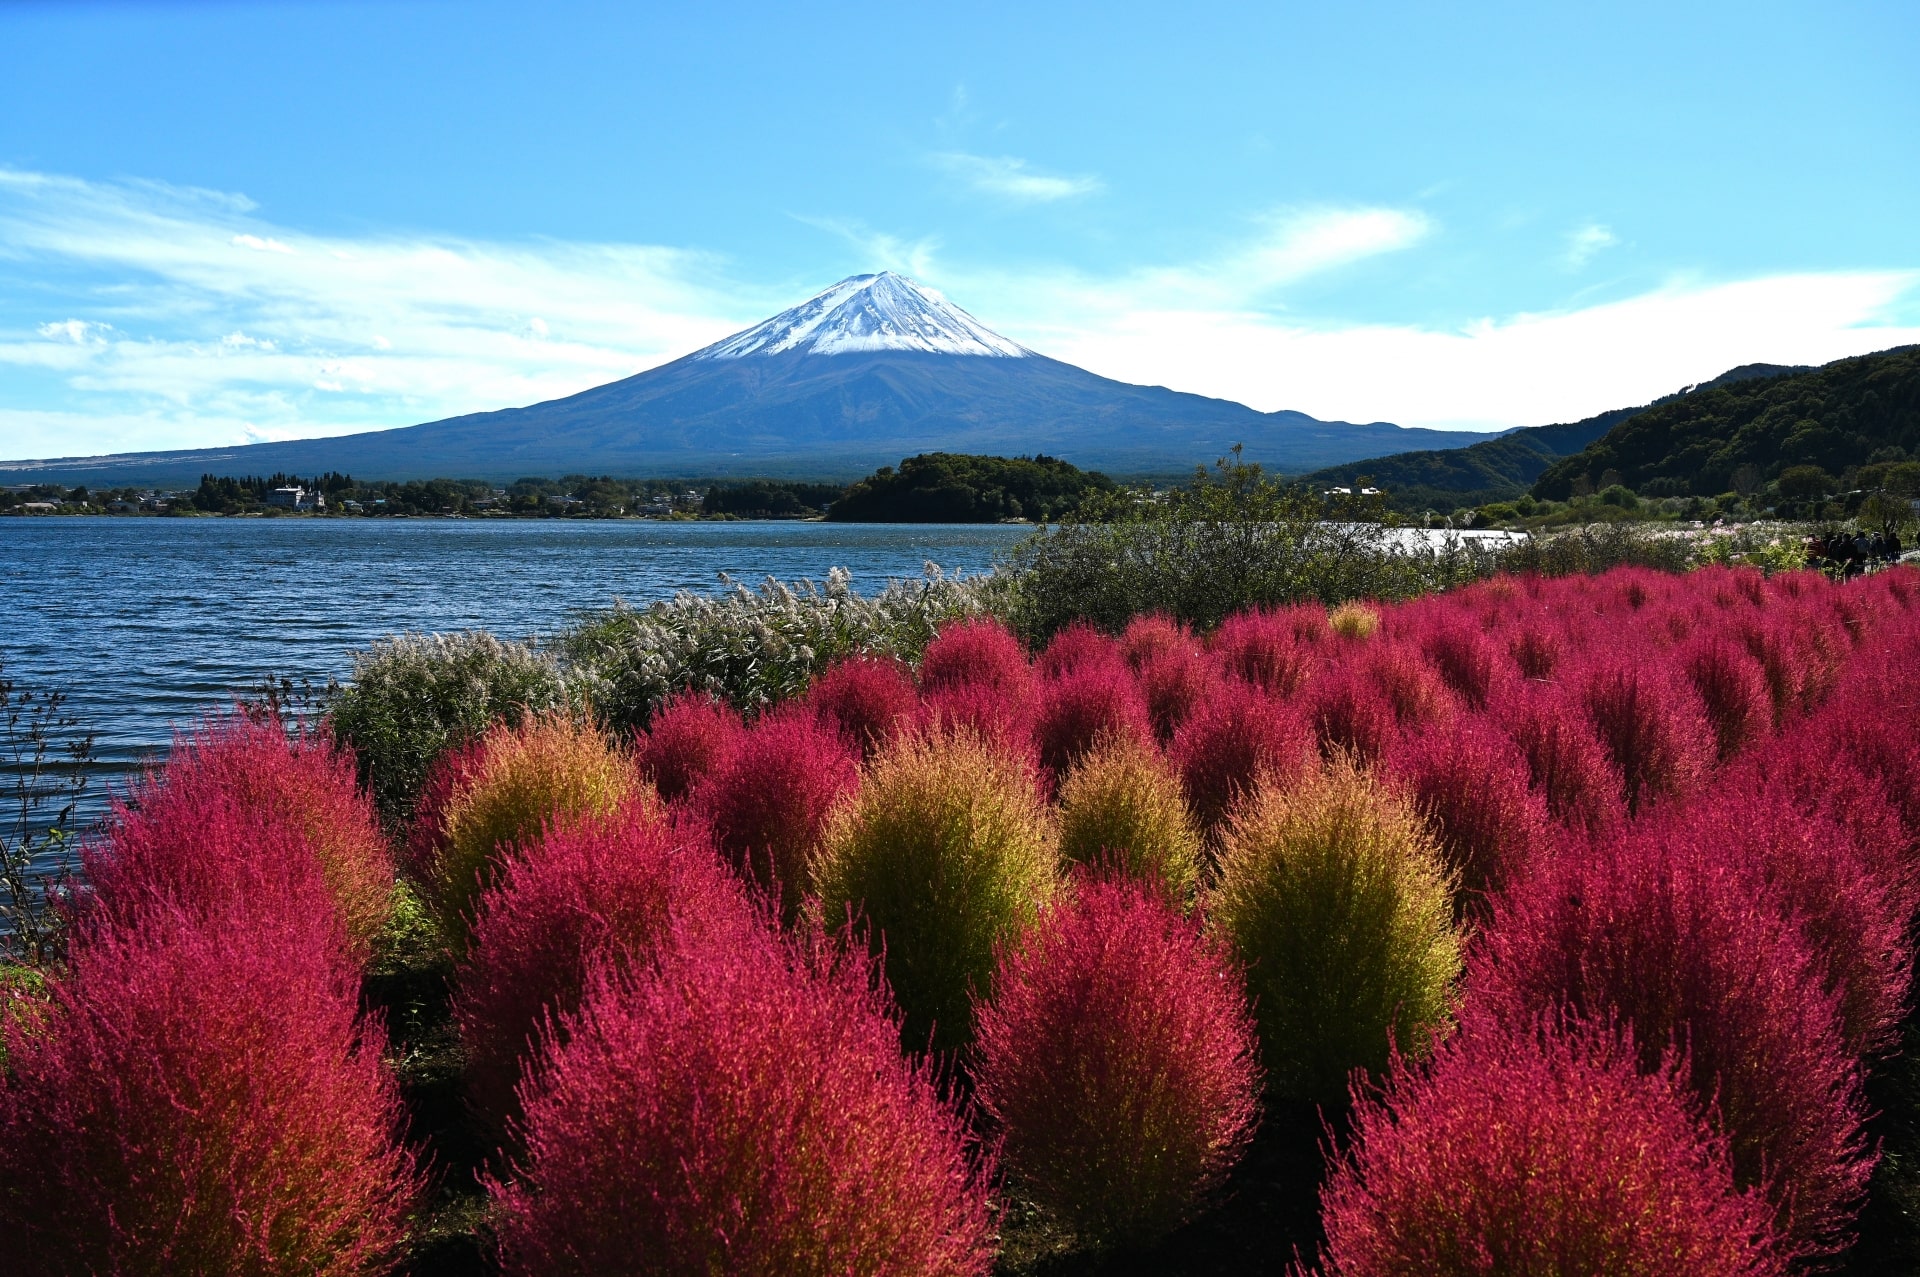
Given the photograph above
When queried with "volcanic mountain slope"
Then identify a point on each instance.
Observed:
(871, 370)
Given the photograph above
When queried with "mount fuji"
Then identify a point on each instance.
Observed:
(871, 370)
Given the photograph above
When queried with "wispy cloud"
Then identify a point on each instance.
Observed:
(185, 307)
(1587, 242)
(1500, 371)
(879, 250)
(1013, 179)
(132, 317)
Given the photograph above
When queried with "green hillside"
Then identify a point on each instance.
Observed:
(1743, 435)
(1502, 467)
(947, 487)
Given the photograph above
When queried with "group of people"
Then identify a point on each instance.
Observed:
(1852, 554)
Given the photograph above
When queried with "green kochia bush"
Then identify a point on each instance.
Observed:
(945, 857)
(1122, 806)
(1117, 1057)
(1335, 898)
(414, 697)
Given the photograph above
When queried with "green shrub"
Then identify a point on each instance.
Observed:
(755, 647)
(414, 696)
(1334, 896)
(1123, 806)
(1226, 542)
(945, 857)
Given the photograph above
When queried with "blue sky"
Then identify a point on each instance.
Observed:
(232, 221)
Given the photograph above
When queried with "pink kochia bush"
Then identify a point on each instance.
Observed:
(1470, 784)
(240, 808)
(1089, 703)
(1653, 729)
(975, 653)
(743, 1109)
(1811, 866)
(1263, 648)
(1568, 764)
(1677, 947)
(690, 736)
(769, 806)
(1117, 1058)
(1733, 688)
(1236, 740)
(868, 699)
(585, 892)
(202, 1098)
(1538, 1152)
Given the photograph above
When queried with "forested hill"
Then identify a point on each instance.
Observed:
(1837, 417)
(1503, 466)
(948, 487)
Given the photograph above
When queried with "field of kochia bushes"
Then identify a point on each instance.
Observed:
(1583, 908)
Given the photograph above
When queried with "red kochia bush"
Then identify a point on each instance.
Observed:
(1262, 647)
(1733, 688)
(1680, 949)
(1467, 660)
(1471, 785)
(201, 1098)
(1117, 1057)
(1236, 739)
(1076, 646)
(1088, 703)
(740, 1109)
(1413, 688)
(1173, 680)
(982, 710)
(973, 652)
(1809, 862)
(769, 804)
(1653, 728)
(867, 699)
(690, 735)
(585, 891)
(240, 805)
(1568, 764)
(1536, 1151)
(1153, 635)
(1351, 716)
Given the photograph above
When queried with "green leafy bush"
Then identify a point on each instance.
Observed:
(1335, 898)
(1224, 543)
(755, 647)
(414, 696)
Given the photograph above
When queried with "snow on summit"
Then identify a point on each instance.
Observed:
(866, 313)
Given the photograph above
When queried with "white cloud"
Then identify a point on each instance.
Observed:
(259, 244)
(166, 337)
(78, 331)
(1588, 241)
(1519, 370)
(1012, 179)
(178, 331)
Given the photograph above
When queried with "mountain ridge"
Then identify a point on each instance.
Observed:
(1501, 468)
(903, 371)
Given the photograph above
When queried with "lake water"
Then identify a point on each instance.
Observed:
(144, 622)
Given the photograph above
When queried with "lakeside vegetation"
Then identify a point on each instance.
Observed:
(798, 835)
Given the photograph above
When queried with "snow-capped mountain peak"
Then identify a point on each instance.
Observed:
(868, 313)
